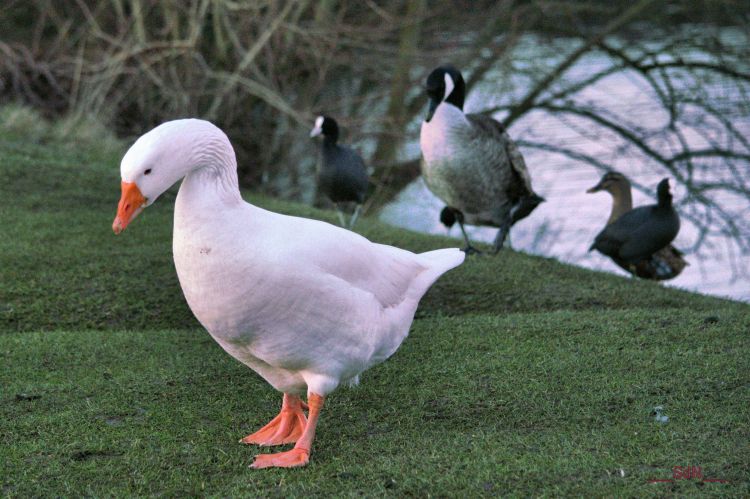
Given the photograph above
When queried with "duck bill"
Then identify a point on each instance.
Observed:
(596, 188)
(131, 204)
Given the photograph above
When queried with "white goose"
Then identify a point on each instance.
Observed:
(305, 304)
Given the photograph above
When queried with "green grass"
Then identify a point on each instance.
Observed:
(521, 376)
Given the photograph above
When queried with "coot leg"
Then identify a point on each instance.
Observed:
(342, 222)
(353, 220)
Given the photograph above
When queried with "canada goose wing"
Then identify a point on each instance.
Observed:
(493, 132)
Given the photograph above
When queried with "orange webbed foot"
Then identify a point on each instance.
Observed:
(286, 428)
(289, 459)
(300, 455)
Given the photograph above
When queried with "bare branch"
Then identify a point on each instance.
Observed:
(528, 101)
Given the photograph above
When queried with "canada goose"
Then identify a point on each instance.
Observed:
(638, 240)
(305, 304)
(470, 162)
(342, 175)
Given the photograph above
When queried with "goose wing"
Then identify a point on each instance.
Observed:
(383, 272)
(492, 134)
(613, 236)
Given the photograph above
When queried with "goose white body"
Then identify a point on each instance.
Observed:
(304, 303)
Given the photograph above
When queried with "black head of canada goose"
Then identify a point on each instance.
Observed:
(470, 162)
(342, 175)
(638, 240)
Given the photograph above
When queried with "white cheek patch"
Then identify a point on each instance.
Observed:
(449, 85)
(318, 128)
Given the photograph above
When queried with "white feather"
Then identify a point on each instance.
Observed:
(449, 86)
(318, 127)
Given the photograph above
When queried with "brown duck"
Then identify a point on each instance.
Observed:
(638, 240)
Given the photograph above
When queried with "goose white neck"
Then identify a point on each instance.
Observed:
(214, 179)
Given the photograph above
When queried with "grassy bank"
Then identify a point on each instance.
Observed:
(521, 375)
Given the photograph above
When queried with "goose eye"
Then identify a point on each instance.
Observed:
(147, 172)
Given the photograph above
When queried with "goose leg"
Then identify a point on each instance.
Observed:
(448, 217)
(300, 454)
(469, 249)
(285, 428)
(500, 239)
(502, 233)
(355, 216)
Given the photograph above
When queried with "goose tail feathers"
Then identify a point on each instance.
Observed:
(438, 262)
(443, 259)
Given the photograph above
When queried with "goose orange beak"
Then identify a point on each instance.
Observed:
(131, 204)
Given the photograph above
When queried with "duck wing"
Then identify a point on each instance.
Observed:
(637, 234)
(613, 236)
(659, 230)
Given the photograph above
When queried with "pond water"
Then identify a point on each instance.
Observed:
(565, 225)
